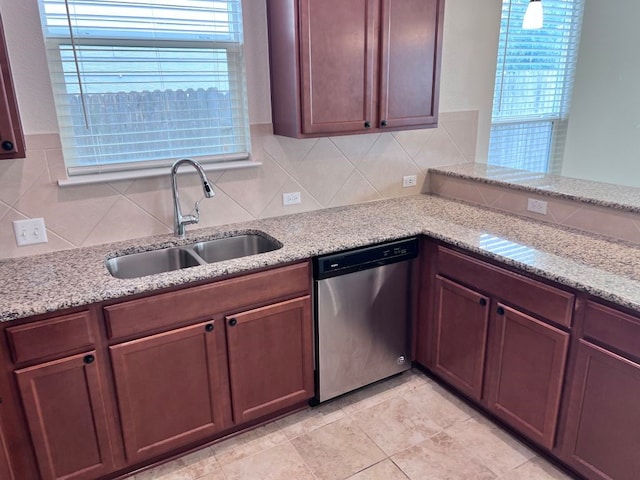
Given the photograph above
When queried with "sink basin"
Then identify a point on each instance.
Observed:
(227, 248)
(142, 264)
(148, 263)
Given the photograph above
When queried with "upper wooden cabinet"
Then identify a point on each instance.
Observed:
(354, 66)
(11, 136)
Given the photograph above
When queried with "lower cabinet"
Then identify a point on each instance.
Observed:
(525, 373)
(270, 358)
(460, 325)
(602, 436)
(509, 361)
(170, 389)
(63, 401)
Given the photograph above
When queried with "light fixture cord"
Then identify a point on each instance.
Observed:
(77, 64)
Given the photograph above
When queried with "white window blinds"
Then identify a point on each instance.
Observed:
(141, 83)
(534, 80)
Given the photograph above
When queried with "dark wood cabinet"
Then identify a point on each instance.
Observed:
(171, 389)
(461, 320)
(602, 435)
(63, 401)
(270, 358)
(354, 67)
(525, 373)
(492, 335)
(11, 136)
(6, 470)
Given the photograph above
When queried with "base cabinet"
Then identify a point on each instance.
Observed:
(171, 389)
(525, 373)
(509, 361)
(64, 406)
(602, 433)
(270, 358)
(461, 321)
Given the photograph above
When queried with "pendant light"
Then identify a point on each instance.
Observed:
(533, 16)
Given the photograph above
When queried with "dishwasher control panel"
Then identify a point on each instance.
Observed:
(363, 258)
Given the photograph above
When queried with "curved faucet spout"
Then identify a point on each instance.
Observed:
(180, 220)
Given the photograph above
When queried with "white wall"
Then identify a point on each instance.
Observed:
(604, 125)
(470, 49)
(468, 64)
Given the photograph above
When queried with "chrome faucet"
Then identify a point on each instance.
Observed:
(180, 220)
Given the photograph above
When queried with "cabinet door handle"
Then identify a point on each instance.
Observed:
(89, 359)
(483, 301)
(367, 124)
(233, 322)
(383, 123)
(500, 310)
(7, 145)
(209, 327)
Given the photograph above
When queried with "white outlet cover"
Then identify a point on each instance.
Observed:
(537, 206)
(409, 181)
(291, 198)
(30, 231)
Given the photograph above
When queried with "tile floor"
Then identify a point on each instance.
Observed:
(407, 427)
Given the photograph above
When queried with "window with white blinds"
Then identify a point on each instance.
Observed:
(141, 83)
(534, 80)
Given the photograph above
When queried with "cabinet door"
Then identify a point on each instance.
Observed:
(461, 318)
(525, 373)
(602, 438)
(270, 358)
(170, 389)
(338, 55)
(411, 33)
(64, 406)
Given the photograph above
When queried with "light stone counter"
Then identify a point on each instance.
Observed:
(586, 191)
(610, 270)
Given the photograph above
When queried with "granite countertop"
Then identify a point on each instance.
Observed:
(586, 191)
(608, 269)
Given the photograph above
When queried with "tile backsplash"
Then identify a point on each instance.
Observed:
(328, 172)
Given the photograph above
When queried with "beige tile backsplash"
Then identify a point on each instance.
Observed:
(327, 171)
(610, 222)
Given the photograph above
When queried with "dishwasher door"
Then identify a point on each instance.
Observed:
(363, 327)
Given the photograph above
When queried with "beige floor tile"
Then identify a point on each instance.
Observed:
(338, 450)
(441, 406)
(379, 392)
(385, 470)
(278, 463)
(396, 424)
(440, 458)
(309, 420)
(249, 443)
(190, 467)
(494, 448)
(536, 469)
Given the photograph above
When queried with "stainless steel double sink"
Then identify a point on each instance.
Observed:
(141, 264)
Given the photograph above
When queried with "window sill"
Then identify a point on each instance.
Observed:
(149, 172)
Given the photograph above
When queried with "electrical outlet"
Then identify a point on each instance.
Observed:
(291, 198)
(537, 206)
(30, 231)
(409, 181)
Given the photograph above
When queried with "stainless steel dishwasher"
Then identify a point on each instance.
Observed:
(362, 316)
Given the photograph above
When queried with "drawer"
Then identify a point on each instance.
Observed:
(166, 310)
(54, 337)
(536, 297)
(612, 328)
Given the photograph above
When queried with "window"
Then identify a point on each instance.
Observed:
(140, 83)
(534, 79)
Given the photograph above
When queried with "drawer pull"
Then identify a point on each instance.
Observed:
(500, 311)
(89, 359)
(209, 327)
(483, 301)
(233, 322)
